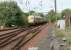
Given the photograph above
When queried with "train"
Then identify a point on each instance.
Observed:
(32, 19)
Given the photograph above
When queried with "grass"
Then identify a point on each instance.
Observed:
(61, 34)
(58, 33)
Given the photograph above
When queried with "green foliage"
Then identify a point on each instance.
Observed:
(31, 12)
(66, 11)
(10, 14)
(41, 14)
(35, 13)
(58, 15)
(51, 16)
(59, 33)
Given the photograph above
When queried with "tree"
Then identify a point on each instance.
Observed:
(31, 12)
(41, 14)
(58, 15)
(65, 12)
(10, 14)
(51, 16)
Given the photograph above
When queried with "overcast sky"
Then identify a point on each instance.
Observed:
(47, 5)
(35, 5)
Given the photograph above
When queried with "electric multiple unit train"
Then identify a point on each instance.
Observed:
(36, 19)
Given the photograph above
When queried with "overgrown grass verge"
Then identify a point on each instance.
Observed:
(63, 34)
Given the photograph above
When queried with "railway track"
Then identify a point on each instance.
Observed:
(7, 29)
(18, 38)
(5, 38)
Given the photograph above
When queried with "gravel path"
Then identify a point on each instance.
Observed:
(46, 42)
(51, 42)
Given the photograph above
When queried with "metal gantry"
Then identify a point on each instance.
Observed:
(27, 4)
(41, 5)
